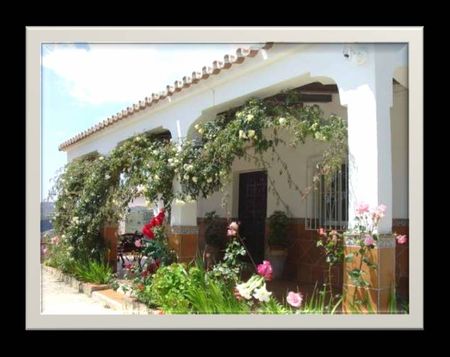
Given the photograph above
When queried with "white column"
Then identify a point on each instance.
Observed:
(368, 97)
(183, 213)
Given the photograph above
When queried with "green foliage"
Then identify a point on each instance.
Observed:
(229, 270)
(212, 296)
(59, 256)
(332, 243)
(93, 272)
(278, 224)
(169, 287)
(158, 248)
(273, 307)
(321, 302)
(95, 190)
(397, 305)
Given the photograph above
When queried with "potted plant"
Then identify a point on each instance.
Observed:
(214, 239)
(277, 242)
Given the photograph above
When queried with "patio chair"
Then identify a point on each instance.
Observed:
(126, 245)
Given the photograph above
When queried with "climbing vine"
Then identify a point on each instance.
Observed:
(98, 189)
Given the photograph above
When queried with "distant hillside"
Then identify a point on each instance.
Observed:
(47, 210)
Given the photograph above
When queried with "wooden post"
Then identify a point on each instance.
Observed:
(110, 237)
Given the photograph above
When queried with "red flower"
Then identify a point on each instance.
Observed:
(153, 267)
(147, 230)
(154, 222)
(158, 219)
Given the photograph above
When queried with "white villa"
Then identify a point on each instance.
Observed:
(366, 84)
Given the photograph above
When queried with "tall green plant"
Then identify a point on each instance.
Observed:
(332, 243)
(321, 302)
(93, 272)
(231, 267)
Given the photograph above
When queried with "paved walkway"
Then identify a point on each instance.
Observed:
(61, 299)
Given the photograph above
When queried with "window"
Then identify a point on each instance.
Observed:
(327, 206)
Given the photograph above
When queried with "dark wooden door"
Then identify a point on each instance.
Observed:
(252, 212)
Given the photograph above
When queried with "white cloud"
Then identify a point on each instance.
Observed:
(102, 73)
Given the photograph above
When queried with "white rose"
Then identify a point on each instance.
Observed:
(249, 117)
(186, 177)
(107, 177)
(251, 133)
(101, 158)
(282, 121)
(155, 152)
(156, 177)
(209, 180)
(194, 179)
(196, 126)
(201, 131)
(262, 294)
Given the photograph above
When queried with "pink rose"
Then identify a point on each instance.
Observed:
(138, 243)
(232, 229)
(362, 208)
(322, 231)
(265, 270)
(294, 299)
(381, 209)
(55, 240)
(401, 239)
(368, 240)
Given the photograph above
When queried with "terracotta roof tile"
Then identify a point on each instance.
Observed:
(178, 86)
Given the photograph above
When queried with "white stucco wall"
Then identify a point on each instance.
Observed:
(399, 126)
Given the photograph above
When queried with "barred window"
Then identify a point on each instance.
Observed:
(327, 205)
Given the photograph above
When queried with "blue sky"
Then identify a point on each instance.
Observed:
(82, 84)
